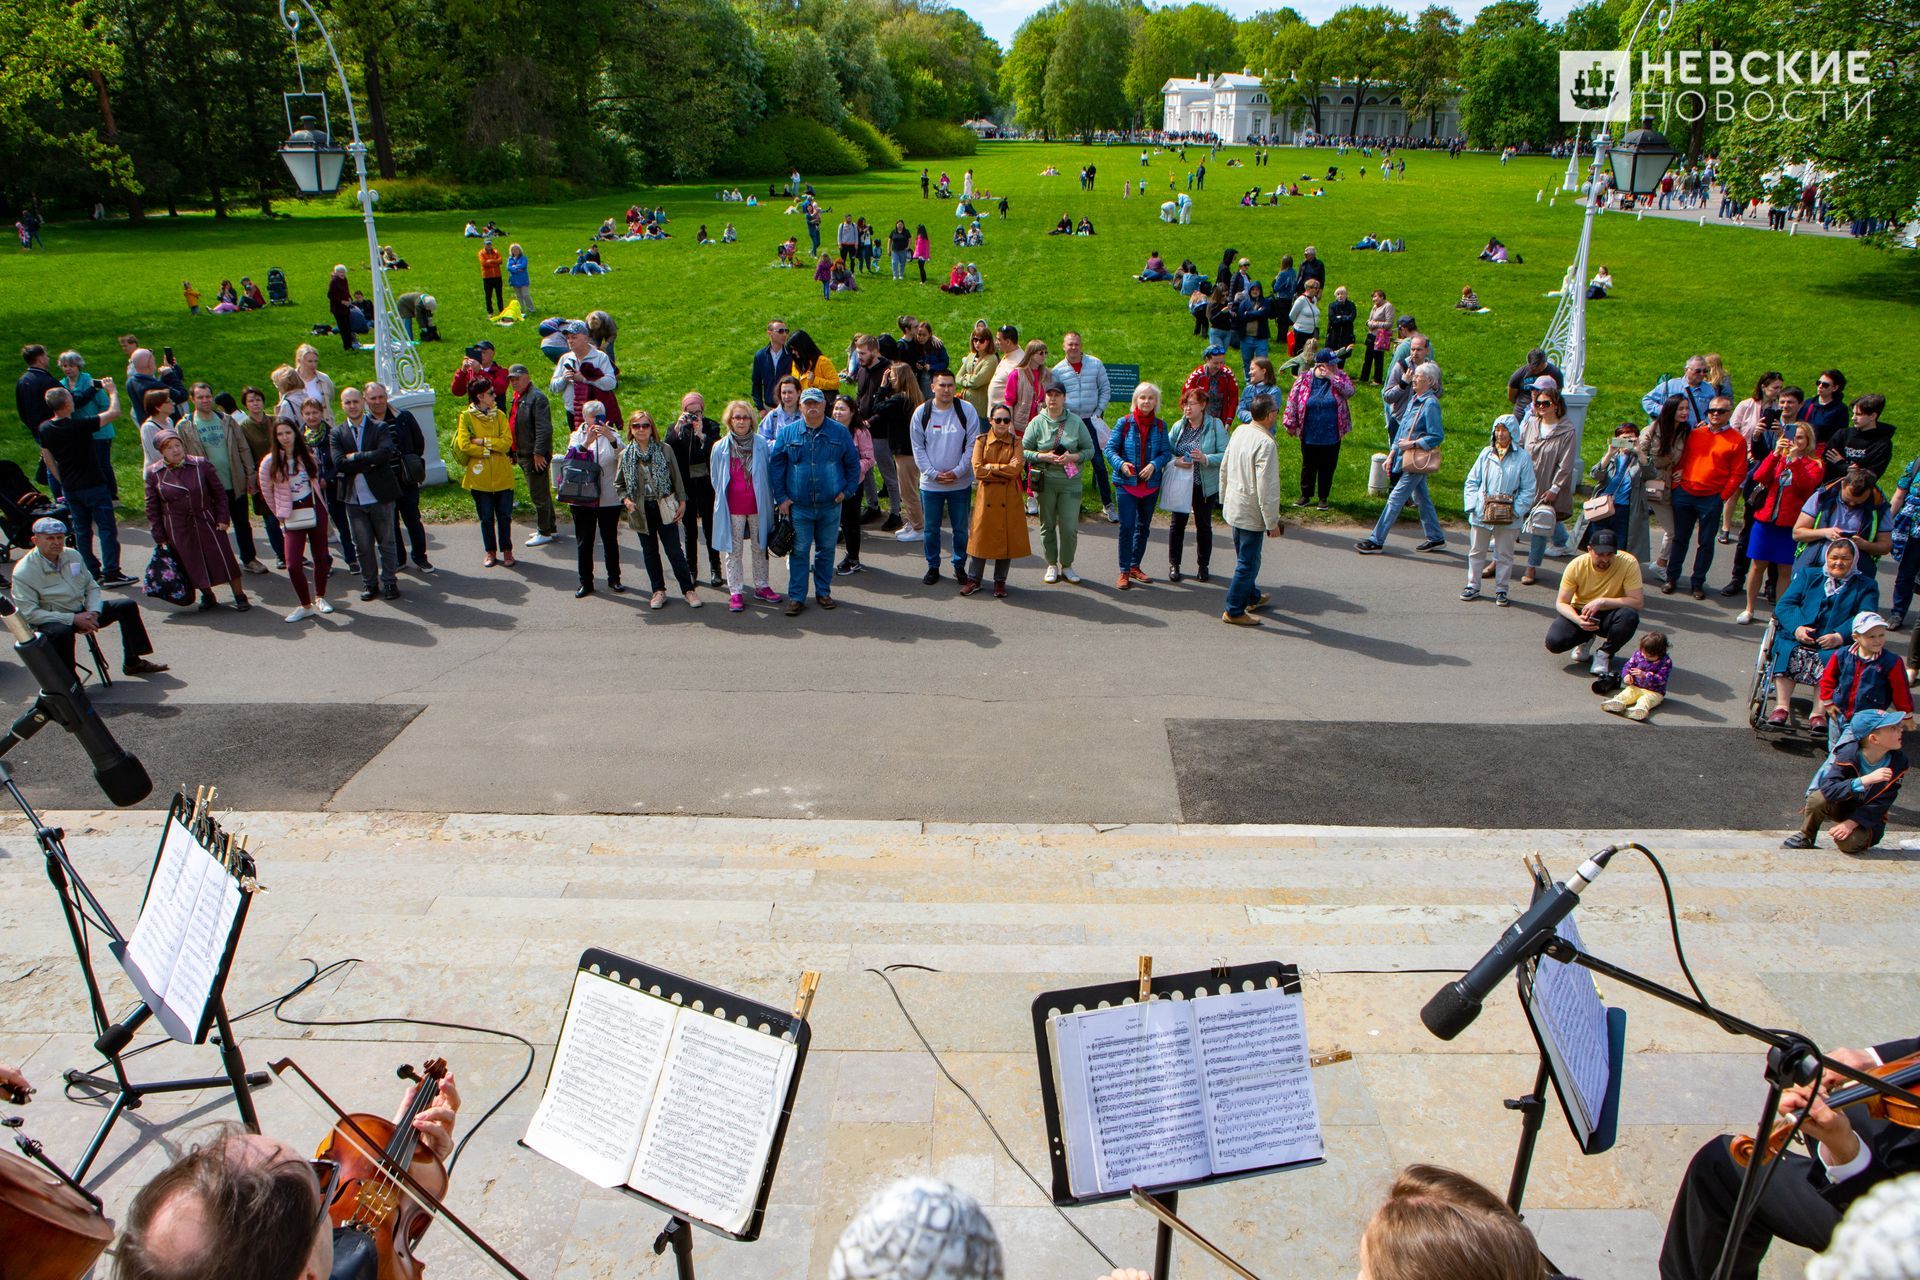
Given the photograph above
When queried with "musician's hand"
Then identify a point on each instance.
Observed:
(1833, 1131)
(11, 1079)
(435, 1124)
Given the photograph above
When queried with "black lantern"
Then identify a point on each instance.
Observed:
(1640, 159)
(313, 160)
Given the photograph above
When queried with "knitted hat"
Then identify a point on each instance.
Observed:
(1879, 1239)
(918, 1229)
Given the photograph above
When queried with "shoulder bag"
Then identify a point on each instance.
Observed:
(1497, 508)
(1597, 509)
(1419, 462)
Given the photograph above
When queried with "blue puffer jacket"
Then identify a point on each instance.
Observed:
(1124, 445)
(813, 467)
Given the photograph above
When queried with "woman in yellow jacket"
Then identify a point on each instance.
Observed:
(485, 439)
(812, 368)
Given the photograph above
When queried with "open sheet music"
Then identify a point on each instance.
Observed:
(1566, 1009)
(670, 1101)
(1175, 1091)
(186, 924)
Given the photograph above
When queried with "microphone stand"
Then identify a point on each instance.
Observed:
(1792, 1059)
(81, 909)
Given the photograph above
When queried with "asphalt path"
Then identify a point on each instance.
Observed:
(497, 691)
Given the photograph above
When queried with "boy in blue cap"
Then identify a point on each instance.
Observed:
(1857, 785)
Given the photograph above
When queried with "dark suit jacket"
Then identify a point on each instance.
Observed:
(366, 450)
(407, 439)
(1896, 1150)
(532, 427)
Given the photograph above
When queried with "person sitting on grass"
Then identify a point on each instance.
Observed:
(1469, 300)
(1856, 785)
(728, 235)
(1084, 227)
(1064, 227)
(1155, 270)
(1862, 677)
(788, 255)
(843, 281)
(1644, 682)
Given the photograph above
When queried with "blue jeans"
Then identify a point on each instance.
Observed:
(815, 531)
(899, 264)
(1408, 488)
(1537, 544)
(1219, 337)
(1250, 350)
(1699, 517)
(957, 504)
(93, 517)
(1136, 526)
(1243, 590)
(495, 509)
(1903, 575)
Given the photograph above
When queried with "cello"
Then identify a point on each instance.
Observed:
(377, 1221)
(1903, 1072)
(51, 1226)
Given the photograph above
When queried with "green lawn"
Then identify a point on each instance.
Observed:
(691, 316)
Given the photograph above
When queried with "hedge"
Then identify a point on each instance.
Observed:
(781, 144)
(932, 139)
(880, 150)
(434, 195)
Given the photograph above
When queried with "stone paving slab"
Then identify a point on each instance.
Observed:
(479, 919)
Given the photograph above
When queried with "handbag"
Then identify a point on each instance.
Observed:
(1597, 509)
(1540, 521)
(1806, 664)
(1497, 508)
(302, 517)
(669, 508)
(1419, 462)
(780, 541)
(166, 578)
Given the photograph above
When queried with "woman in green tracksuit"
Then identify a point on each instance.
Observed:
(1056, 440)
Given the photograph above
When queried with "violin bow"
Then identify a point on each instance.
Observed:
(377, 1153)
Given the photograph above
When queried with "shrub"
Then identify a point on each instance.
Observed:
(880, 150)
(931, 139)
(435, 195)
(780, 144)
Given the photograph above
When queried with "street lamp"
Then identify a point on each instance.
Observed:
(316, 163)
(1640, 160)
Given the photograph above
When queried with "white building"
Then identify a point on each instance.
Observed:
(1236, 107)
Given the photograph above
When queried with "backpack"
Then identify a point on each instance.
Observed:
(579, 478)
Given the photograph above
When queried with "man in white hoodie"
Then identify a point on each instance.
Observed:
(1250, 499)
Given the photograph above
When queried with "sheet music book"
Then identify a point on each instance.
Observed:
(663, 1098)
(1566, 1011)
(186, 928)
(1169, 1092)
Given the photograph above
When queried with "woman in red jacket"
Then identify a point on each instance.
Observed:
(1781, 484)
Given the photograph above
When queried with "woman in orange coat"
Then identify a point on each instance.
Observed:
(999, 528)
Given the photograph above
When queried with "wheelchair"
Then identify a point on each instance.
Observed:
(1760, 700)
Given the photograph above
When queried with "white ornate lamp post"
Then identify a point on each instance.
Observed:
(1637, 165)
(316, 162)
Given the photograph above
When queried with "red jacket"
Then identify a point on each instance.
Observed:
(1783, 501)
(489, 264)
(1222, 392)
(495, 373)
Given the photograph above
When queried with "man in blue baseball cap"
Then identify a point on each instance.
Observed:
(1857, 785)
(813, 468)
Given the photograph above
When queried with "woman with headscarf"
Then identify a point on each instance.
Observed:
(1056, 444)
(741, 465)
(1553, 445)
(340, 303)
(1816, 614)
(1499, 489)
(187, 512)
(1138, 452)
(647, 477)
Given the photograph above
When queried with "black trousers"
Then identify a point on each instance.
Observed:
(343, 321)
(1790, 1209)
(1740, 562)
(1202, 517)
(496, 290)
(242, 520)
(606, 522)
(1617, 627)
(850, 524)
(406, 519)
(1374, 367)
(699, 517)
(119, 612)
(1317, 465)
(656, 539)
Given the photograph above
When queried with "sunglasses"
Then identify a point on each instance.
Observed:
(1823, 383)
(1540, 400)
(327, 1174)
(1719, 409)
(1002, 420)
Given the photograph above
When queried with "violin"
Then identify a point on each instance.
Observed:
(52, 1230)
(1901, 1071)
(378, 1216)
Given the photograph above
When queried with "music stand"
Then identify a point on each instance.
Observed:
(686, 993)
(1562, 1016)
(1220, 980)
(82, 909)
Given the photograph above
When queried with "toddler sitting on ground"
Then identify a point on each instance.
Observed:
(1643, 685)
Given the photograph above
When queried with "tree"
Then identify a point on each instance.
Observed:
(1427, 77)
(643, 88)
(1509, 77)
(942, 63)
(1023, 73)
(1287, 49)
(1179, 41)
(1364, 46)
(1081, 93)
(799, 75)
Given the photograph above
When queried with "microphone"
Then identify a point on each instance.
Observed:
(120, 774)
(1455, 1006)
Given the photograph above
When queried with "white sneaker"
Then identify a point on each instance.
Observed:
(1559, 553)
(1602, 663)
(907, 534)
(1113, 517)
(1033, 507)
(1744, 617)
(1052, 574)
(323, 606)
(539, 539)
(1069, 574)
(300, 615)
(1579, 653)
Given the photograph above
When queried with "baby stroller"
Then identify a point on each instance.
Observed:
(20, 505)
(277, 288)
